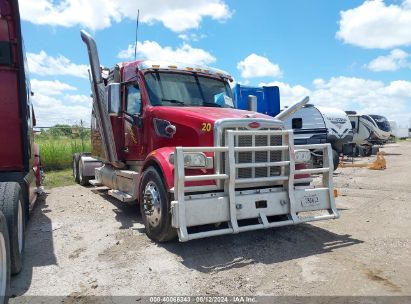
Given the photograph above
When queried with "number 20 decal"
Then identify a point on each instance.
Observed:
(206, 127)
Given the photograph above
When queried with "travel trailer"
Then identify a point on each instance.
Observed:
(368, 130)
(314, 124)
(396, 131)
(374, 129)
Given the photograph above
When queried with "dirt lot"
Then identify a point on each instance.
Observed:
(82, 242)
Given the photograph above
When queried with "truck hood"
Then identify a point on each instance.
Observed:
(195, 125)
(205, 114)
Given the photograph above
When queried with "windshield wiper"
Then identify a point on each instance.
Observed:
(173, 100)
(212, 104)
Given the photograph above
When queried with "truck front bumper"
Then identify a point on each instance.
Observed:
(234, 210)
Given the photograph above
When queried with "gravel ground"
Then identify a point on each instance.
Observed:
(81, 242)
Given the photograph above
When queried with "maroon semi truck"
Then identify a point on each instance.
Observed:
(19, 157)
(168, 137)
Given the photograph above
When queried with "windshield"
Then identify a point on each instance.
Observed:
(176, 89)
(382, 122)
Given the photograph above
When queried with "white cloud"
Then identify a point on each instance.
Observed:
(177, 15)
(154, 51)
(191, 36)
(342, 91)
(400, 89)
(53, 104)
(365, 96)
(319, 82)
(243, 82)
(78, 99)
(45, 65)
(289, 94)
(374, 24)
(61, 114)
(396, 60)
(184, 37)
(46, 87)
(258, 66)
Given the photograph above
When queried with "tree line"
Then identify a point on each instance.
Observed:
(65, 130)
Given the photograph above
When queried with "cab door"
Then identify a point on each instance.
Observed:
(133, 126)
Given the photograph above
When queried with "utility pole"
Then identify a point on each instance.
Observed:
(82, 134)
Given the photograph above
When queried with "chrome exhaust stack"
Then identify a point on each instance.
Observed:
(291, 110)
(100, 102)
(252, 103)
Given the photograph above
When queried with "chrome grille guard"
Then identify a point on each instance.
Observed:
(225, 203)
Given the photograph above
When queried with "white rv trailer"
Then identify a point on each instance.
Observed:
(313, 124)
(368, 130)
(308, 125)
(396, 131)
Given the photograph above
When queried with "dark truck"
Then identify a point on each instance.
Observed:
(20, 170)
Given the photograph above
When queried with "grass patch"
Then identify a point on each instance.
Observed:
(57, 152)
(59, 178)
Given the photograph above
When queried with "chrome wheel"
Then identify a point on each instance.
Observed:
(3, 266)
(20, 228)
(152, 204)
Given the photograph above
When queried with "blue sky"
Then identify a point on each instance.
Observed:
(347, 54)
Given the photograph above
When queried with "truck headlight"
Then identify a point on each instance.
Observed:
(194, 160)
(302, 156)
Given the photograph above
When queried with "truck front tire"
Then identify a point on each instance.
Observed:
(11, 204)
(155, 207)
(4, 260)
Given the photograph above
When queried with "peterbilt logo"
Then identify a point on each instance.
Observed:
(254, 124)
(337, 121)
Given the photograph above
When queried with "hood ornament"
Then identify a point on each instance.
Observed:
(250, 115)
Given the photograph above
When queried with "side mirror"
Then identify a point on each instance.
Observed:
(113, 91)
